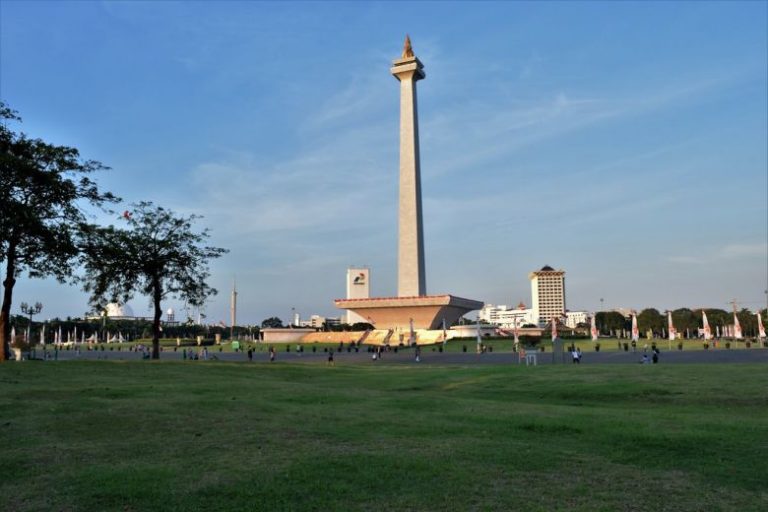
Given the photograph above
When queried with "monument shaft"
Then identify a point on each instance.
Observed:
(411, 278)
(412, 309)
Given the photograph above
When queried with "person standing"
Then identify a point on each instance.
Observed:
(250, 354)
(271, 354)
(330, 358)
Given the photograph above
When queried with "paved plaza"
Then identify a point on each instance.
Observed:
(428, 356)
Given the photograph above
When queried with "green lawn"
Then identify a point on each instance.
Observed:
(230, 436)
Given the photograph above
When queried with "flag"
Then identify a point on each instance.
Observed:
(717, 331)
(635, 330)
(479, 337)
(554, 328)
(760, 327)
(593, 328)
(412, 339)
(445, 334)
(736, 327)
(42, 335)
(671, 327)
(517, 338)
(707, 330)
(13, 334)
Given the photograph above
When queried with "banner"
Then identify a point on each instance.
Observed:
(635, 331)
(593, 328)
(736, 327)
(671, 327)
(760, 327)
(707, 330)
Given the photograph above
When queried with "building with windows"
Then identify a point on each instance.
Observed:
(506, 317)
(318, 321)
(574, 318)
(547, 293)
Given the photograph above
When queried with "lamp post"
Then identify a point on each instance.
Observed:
(30, 310)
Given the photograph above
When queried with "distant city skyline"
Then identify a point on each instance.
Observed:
(625, 143)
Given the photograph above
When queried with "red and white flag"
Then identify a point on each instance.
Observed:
(707, 330)
(554, 328)
(593, 328)
(635, 330)
(737, 327)
(760, 327)
(671, 327)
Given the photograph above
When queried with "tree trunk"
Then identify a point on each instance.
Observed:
(157, 294)
(5, 312)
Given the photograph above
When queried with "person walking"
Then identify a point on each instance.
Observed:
(330, 358)
(271, 354)
(250, 355)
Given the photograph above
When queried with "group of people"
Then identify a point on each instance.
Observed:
(654, 356)
(576, 355)
(193, 355)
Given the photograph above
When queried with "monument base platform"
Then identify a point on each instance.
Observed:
(426, 312)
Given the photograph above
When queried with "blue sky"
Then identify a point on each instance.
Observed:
(622, 142)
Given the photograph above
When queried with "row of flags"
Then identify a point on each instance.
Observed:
(58, 337)
(730, 331)
(735, 332)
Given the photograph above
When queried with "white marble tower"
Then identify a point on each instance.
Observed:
(411, 279)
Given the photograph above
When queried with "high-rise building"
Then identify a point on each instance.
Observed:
(547, 293)
(358, 287)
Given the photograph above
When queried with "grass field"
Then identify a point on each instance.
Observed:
(169, 436)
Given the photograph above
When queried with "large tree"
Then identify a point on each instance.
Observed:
(158, 255)
(650, 318)
(43, 188)
(608, 321)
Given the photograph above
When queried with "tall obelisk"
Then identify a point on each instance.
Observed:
(411, 279)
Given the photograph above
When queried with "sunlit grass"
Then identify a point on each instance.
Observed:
(211, 436)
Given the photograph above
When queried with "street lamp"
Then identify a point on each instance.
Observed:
(30, 311)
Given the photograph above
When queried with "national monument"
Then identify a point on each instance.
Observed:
(412, 308)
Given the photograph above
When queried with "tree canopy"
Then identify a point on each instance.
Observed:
(158, 255)
(272, 322)
(43, 188)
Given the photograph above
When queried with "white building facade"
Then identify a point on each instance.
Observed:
(574, 318)
(506, 317)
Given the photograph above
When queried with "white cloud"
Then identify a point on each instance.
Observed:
(729, 252)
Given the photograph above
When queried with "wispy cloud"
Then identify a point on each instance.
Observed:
(729, 252)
